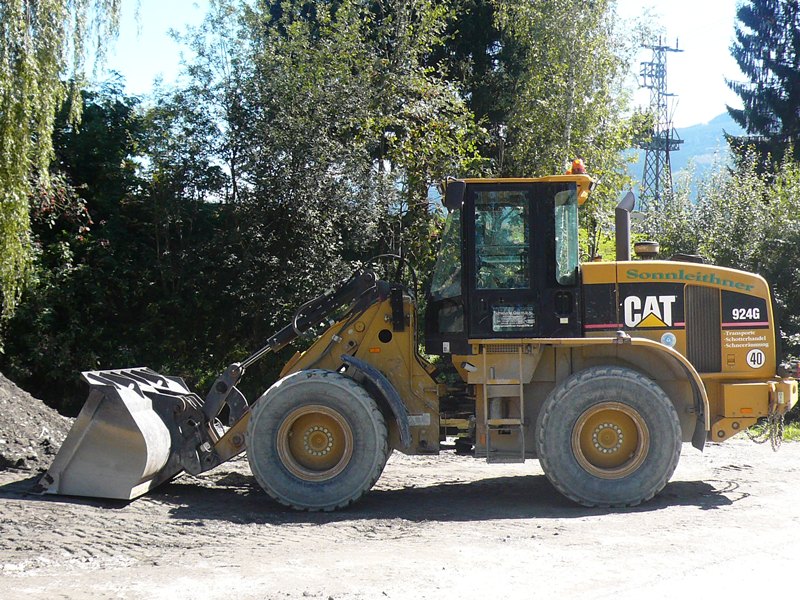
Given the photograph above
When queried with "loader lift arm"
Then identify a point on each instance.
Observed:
(361, 288)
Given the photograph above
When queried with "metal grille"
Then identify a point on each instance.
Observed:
(703, 345)
(502, 348)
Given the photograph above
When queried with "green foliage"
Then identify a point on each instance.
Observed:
(229, 202)
(478, 59)
(568, 99)
(545, 78)
(78, 307)
(303, 138)
(40, 42)
(424, 131)
(767, 50)
(734, 219)
(791, 430)
(791, 433)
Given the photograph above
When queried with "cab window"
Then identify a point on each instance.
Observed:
(566, 215)
(446, 282)
(501, 240)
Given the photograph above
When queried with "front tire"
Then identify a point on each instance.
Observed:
(608, 436)
(316, 440)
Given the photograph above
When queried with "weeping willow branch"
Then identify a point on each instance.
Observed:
(43, 43)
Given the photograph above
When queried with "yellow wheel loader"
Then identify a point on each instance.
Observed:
(600, 370)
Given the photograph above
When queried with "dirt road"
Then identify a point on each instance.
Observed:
(440, 527)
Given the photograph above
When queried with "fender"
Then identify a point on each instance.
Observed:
(388, 393)
(702, 423)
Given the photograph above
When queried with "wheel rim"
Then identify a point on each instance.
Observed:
(315, 443)
(610, 440)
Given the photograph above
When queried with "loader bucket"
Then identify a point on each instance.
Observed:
(124, 441)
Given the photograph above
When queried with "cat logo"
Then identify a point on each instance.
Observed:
(653, 311)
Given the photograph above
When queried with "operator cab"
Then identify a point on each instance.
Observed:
(508, 265)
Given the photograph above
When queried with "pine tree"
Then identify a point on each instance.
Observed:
(767, 49)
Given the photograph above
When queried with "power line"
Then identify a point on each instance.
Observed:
(657, 175)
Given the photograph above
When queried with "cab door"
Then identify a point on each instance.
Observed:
(500, 245)
(521, 251)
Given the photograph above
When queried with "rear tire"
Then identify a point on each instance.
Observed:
(316, 440)
(608, 436)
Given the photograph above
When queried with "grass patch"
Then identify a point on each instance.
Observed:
(791, 431)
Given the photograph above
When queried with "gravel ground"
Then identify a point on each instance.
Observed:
(441, 527)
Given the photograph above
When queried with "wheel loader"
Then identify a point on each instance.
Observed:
(600, 370)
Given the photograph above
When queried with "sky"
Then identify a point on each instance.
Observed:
(703, 30)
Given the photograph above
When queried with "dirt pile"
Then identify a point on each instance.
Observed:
(30, 431)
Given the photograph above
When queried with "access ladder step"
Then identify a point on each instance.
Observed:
(496, 456)
(502, 382)
(504, 423)
(513, 431)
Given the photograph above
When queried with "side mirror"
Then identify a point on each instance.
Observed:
(454, 194)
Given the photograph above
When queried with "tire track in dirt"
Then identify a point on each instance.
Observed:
(436, 517)
(185, 514)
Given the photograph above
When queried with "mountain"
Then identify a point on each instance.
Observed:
(702, 145)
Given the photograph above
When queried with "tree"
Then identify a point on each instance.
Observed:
(216, 76)
(482, 61)
(98, 154)
(75, 310)
(425, 131)
(546, 79)
(767, 49)
(41, 46)
(341, 127)
(568, 97)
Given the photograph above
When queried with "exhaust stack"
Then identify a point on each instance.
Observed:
(622, 226)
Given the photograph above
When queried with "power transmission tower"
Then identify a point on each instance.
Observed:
(657, 176)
